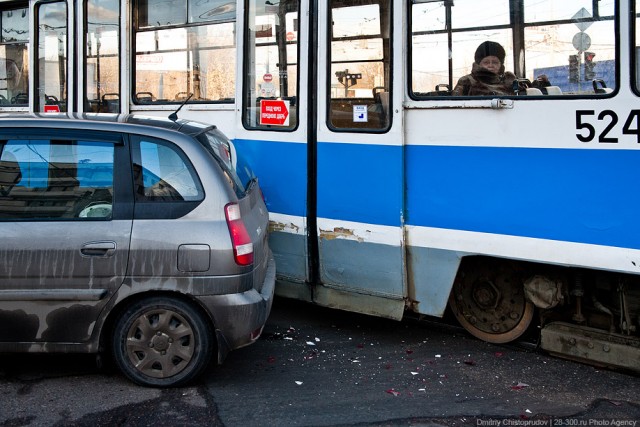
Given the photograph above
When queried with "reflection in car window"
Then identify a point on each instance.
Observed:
(163, 174)
(56, 179)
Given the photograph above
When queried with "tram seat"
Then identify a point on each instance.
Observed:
(604, 90)
(600, 87)
(533, 91)
(110, 103)
(145, 97)
(551, 90)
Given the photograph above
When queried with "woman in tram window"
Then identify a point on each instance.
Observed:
(488, 76)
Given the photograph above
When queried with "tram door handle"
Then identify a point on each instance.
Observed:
(499, 104)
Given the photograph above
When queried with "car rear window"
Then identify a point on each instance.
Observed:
(163, 173)
(222, 150)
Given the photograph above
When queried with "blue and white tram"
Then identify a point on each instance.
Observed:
(389, 191)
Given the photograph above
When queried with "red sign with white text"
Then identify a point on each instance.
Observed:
(51, 108)
(274, 112)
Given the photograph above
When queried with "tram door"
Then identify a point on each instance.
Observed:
(320, 121)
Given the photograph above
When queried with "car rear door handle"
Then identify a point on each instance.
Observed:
(98, 249)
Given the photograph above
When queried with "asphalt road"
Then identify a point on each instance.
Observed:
(315, 366)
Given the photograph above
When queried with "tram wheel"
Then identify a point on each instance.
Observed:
(488, 300)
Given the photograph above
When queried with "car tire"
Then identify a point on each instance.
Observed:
(161, 342)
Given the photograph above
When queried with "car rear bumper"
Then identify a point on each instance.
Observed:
(239, 318)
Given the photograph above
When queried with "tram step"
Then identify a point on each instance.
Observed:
(592, 346)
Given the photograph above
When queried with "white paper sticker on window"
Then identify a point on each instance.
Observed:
(360, 114)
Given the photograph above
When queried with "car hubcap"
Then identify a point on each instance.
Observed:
(160, 343)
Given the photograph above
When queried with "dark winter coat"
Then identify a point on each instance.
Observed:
(483, 82)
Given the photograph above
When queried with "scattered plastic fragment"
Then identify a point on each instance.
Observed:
(613, 402)
(414, 373)
(310, 343)
(527, 411)
(519, 386)
(299, 382)
(317, 339)
(438, 355)
(392, 391)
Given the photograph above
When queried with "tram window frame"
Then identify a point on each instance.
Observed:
(343, 115)
(519, 26)
(277, 94)
(19, 60)
(190, 31)
(108, 97)
(635, 46)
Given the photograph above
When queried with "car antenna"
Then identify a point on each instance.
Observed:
(174, 116)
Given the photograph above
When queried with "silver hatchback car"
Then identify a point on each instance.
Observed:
(134, 235)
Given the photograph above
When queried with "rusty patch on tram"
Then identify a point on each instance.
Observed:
(340, 233)
(281, 226)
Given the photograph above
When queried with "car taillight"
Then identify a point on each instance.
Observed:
(242, 245)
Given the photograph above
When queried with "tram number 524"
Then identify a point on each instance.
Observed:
(610, 118)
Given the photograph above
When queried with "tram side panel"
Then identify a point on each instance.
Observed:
(284, 186)
(532, 217)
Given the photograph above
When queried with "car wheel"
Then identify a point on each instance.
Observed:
(161, 342)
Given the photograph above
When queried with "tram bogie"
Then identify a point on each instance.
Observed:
(585, 315)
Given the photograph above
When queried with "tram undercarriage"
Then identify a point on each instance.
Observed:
(583, 315)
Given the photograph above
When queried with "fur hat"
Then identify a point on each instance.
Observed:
(490, 49)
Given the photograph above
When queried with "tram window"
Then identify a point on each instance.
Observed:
(102, 60)
(271, 67)
(196, 56)
(553, 10)
(14, 64)
(560, 48)
(51, 83)
(161, 13)
(360, 58)
(489, 13)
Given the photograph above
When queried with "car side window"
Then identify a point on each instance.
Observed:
(163, 173)
(56, 179)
